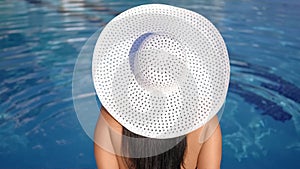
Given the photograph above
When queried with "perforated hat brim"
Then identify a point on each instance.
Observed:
(196, 52)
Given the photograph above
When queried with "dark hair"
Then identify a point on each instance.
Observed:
(171, 159)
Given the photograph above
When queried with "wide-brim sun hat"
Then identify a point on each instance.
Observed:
(161, 71)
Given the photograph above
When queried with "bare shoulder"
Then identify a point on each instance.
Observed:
(211, 150)
(196, 141)
(203, 133)
(113, 123)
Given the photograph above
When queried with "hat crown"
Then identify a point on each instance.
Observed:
(158, 62)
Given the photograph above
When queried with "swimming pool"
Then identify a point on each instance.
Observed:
(39, 44)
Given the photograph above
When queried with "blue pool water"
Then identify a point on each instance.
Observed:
(41, 39)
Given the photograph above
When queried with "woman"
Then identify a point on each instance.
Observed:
(162, 74)
(196, 154)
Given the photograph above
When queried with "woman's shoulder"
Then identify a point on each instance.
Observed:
(196, 140)
(203, 133)
(112, 122)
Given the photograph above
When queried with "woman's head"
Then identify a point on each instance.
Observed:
(167, 72)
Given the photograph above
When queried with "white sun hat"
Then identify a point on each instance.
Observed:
(161, 71)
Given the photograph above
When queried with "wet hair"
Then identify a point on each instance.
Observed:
(170, 159)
